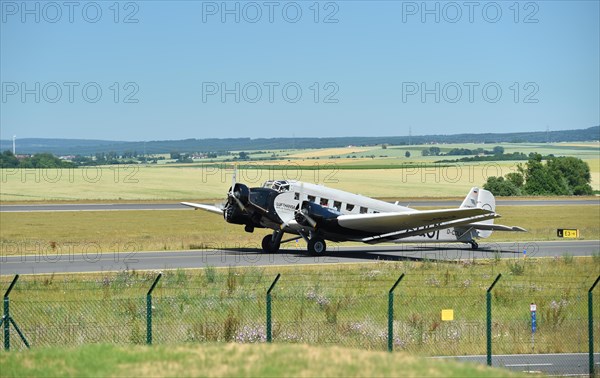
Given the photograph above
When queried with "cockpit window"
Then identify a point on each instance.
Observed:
(280, 185)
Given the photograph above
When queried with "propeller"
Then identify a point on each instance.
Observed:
(232, 193)
(303, 212)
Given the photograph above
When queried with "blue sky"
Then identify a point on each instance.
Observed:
(198, 69)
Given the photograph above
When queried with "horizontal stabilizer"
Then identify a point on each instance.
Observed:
(496, 227)
(212, 209)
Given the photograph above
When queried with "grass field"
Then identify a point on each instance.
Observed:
(343, 305)
(68, 232)
(230, 360)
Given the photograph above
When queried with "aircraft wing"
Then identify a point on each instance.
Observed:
(496, 227)
(196, 206)
(384, 223)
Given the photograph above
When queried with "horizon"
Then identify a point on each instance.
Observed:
(134, 71)
(316, 137)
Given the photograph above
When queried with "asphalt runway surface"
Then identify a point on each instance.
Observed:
(563, 364)
(73, 260)
(178, 206)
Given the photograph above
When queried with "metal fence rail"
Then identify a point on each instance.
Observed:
(431, 314)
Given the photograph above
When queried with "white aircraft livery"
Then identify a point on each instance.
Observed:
(317, 213)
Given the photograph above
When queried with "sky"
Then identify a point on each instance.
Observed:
(155, 70)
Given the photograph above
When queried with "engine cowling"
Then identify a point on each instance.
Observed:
(312, 214)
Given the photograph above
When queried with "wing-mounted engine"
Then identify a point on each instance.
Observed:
(314, 215)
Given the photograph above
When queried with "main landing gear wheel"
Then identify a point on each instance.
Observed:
(474, 244)
(316, 247)
(269, 246)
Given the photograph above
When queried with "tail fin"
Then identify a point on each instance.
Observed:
(482, 199)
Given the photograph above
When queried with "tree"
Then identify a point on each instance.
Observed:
(516, 178)
(501, 187)
(575, 171)
(407, 154)
(498, 150)
(8, 160)
(558, 176)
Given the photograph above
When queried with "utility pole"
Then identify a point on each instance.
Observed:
(410, 135)
(14, 145)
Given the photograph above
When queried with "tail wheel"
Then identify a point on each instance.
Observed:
(317, 246)
(269, 246)
(474, 244)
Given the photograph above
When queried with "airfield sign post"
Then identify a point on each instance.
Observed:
(533, 310)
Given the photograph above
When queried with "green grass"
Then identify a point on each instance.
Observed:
(230, 360)
(108, 231)
(342, 305)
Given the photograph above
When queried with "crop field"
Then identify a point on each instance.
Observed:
(374, 172)
(62, 232)
(343, 305)
(206, 183)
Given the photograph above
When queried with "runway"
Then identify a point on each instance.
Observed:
(76, 261)
(177, 206)
(563, 364)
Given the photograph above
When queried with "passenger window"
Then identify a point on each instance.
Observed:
(324, 202)
(312, 198)
(363, 210)
(296, 196)
(349, 207)
(337, 205)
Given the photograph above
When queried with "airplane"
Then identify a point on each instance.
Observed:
(317, 213)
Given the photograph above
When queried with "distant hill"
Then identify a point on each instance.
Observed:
(90, 147)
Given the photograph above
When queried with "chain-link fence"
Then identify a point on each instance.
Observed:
(434, 309)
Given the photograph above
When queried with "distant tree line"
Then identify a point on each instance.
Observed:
(564, 175)
(43, 160)
(435, 151)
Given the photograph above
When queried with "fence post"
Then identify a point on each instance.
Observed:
(488, 300)
(269, 325)
(7, 320)
(591, 326)
(391, 314)
(149, 310)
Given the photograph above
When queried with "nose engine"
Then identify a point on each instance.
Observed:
(237, 202)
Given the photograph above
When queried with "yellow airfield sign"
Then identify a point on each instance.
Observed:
(569, 233)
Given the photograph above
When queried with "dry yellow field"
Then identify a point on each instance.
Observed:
(326, 152)
(197, 183)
